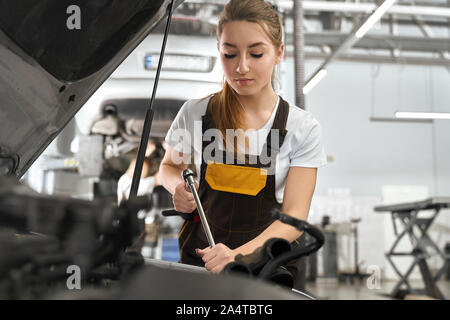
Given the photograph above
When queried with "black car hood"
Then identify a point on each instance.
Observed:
(48, 71)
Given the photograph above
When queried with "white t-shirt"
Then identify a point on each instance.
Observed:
(302, 146)
(146, 186)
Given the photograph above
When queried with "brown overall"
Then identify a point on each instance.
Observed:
(236, 198)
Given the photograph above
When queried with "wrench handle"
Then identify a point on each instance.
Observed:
(188, 177)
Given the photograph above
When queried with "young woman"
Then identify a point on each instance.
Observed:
(237, 196)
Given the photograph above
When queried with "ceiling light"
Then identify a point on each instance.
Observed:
(422, 115)
(374, 18)
(314, 80)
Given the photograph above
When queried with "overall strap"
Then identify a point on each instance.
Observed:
(279, 123)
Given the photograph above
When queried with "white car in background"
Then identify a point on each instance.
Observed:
(191, 69)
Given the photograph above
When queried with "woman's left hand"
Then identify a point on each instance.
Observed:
(216, 258)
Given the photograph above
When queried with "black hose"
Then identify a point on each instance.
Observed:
(282, 259)
(172, 212)
(300, 225)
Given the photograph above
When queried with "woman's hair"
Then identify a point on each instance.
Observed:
(226, 109)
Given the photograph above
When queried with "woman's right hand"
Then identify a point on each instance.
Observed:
(183, 200)
(170, 177)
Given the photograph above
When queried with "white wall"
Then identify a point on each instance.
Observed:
(368, 156)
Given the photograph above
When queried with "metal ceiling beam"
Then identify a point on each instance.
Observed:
(387, 42)
(428, 33)
(393, 30)
(400, 20)
(350, 7)
(356, 35)
(377, 58)
(428, 13)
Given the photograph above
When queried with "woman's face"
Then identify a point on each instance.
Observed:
(248, 57)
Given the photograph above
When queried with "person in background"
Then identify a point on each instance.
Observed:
(148, 180)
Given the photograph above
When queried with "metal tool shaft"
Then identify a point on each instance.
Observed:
(188, 176)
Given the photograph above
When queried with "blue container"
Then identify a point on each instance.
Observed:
(170, 250)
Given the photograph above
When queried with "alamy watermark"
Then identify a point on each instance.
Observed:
(213, 138)
(73, 22)
(374, 280)
(74, 279)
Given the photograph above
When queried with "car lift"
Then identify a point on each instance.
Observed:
(408, 213)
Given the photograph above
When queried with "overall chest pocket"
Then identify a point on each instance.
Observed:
(235, 179)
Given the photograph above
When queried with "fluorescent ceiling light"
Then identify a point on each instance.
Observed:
(422, 115)
(397, 120)
(314, 81)
(374, 18)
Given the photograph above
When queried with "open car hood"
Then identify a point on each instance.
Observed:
(48, 71)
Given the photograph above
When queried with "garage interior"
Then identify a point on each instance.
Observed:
(381, 96)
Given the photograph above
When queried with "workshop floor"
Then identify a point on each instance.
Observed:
(332, 289)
